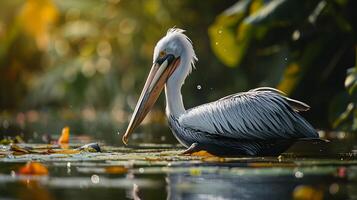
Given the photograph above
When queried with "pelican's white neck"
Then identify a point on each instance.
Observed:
(174, 102)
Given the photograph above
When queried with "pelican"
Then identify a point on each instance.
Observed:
(262, 121)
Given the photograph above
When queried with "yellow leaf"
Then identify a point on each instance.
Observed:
(36, 16)
(304, 192)
(255, 6)
(228, 45)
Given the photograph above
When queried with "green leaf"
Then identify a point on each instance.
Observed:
(223, 33)
(282, 12)
(351, 80)
(344, 117)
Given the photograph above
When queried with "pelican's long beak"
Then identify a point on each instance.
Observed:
(159, 73)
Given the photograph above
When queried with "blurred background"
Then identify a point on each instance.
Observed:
(83, 63)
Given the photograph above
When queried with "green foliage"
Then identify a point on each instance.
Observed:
(351, 80)
(296, 46)
(348, 119)
(84, 62)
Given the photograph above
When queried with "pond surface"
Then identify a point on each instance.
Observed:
(148, 171)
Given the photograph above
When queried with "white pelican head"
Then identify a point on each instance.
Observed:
(173, 60)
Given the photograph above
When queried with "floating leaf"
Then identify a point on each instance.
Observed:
(214, 159)
(202, 153)
(21, 150)
(89, 148)
(116, 170)
(92, 147)
(33, 168)
(63, 151)
(64, 138)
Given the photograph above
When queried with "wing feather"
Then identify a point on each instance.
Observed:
(262, 113)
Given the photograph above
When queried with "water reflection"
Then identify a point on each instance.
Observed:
(263, 186)
(149, 171)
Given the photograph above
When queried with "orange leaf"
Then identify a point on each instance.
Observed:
(202, 153)
(213, 159)
(116, 170)
(64, 145)
(33, 168)
(64, 136)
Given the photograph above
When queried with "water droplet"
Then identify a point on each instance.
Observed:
(220, 31)
(280, 158)
(334, 188)
(296, 35)
(217, 43)
(199, 87)
(299, 174)
(285, 59)
(13, 173)
(141, 170)
(68, 167)
(94, 178)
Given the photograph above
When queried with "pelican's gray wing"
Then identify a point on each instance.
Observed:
(262, 113)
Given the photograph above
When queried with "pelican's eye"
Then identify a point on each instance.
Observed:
(162, 54)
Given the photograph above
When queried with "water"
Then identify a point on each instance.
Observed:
(148, 171)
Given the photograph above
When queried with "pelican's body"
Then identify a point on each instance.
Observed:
(258, 122)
